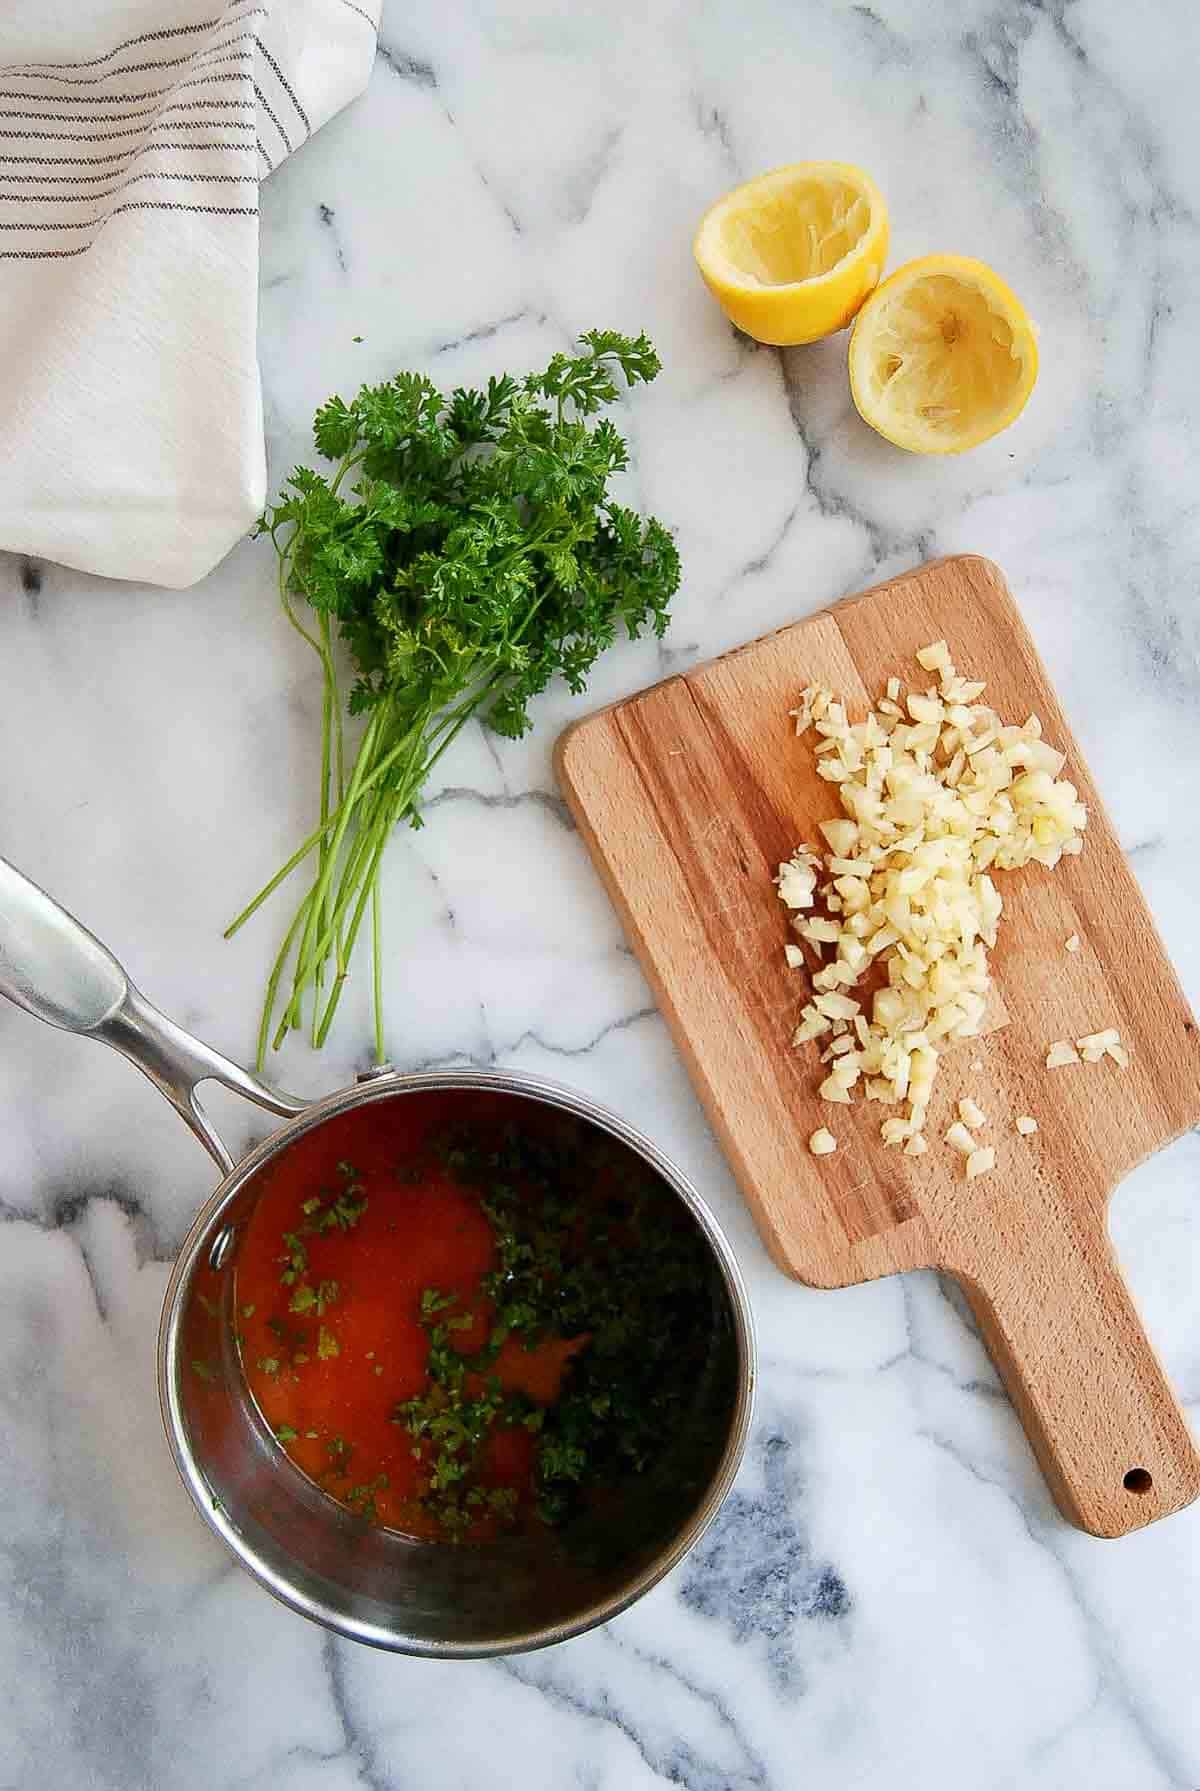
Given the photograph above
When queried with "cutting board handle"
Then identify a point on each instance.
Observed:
(1087, 1383)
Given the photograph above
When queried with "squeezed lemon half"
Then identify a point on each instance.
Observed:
(943, 356)
(791, 256)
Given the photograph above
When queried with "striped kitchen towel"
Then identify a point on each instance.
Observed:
(133, 137)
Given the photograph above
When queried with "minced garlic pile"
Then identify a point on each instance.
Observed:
(937, 793)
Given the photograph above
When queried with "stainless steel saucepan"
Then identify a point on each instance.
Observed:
(372, 1584)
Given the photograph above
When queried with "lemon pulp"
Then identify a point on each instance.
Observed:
(794, 233)
(943, 356)
(791, 256)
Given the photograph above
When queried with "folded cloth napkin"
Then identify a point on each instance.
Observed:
(134, 135)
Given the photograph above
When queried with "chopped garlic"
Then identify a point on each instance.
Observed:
(935, 658)
(916, 1146)
(1104, 1044)
(812, 1025)
(925, 708)
(970, 1114)
(842, 836)
(831, 1090)
(1027, 1125)
(818, 931)
(797, 880)
(980, 1162)
(960, 1138)
(1073, 942)
(822, 1143)
(837, 1007)
(794, 956)
(1060, 1054)
(935, 796)
(809, 710)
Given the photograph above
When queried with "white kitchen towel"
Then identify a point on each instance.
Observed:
(133, 137)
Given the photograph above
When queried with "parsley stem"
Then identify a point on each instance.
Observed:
(364, 861)
(289, 612)
(326, 752)
(350, 461)
(378, 841)
(356, 879)
(268, 889)
(377, 973)
(330, 857)
(268, 1008)
(323, 913)
(389, 808)
(352, 871)
(372, 842)
(457, 721)
(319, 939)
(331, 708)
(314, 839)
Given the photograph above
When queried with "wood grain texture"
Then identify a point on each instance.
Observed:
(689, 795)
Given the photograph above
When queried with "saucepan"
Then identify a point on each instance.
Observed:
(370, 1583)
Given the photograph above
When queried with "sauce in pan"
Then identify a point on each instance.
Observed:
(463, 1314)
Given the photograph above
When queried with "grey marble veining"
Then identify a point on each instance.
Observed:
(888, 1598)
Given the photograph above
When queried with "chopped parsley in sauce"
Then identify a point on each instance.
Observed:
(466, 1315)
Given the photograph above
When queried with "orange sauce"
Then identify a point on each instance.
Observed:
(328, 1378)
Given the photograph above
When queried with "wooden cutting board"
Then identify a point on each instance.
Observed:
(689, 795)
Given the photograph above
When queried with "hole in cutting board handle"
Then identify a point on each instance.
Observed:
(1139, 1480)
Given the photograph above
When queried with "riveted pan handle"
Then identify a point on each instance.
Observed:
(55, 969)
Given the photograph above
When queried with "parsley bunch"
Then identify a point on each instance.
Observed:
(477, 556)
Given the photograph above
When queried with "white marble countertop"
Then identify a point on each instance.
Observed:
(888, 1598)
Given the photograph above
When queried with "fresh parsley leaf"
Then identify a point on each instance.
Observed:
(334, 429)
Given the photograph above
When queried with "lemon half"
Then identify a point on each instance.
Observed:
(791, 256)
(943, 355)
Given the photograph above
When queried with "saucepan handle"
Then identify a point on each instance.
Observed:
(55, 969)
